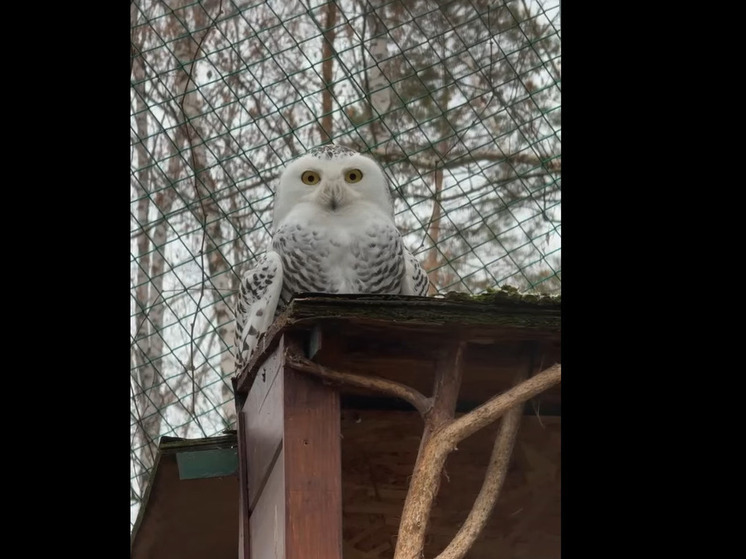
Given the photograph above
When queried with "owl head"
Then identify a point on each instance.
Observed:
(332, 179)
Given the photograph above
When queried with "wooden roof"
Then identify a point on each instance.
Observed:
(190, 509)
(396, 336)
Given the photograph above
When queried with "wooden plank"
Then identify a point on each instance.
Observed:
(263, 424)
(313, 481)
(260, 365)
(265, 377)
(268, 517)
(244, 551)
(497, 309)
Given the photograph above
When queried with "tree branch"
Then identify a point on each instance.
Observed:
(327, 68)
(393, 155)
(369, 382)
(494, 477)
(433, 454)
(431, 457)
(491, 410)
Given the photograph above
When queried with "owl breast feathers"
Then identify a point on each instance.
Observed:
(334, 232)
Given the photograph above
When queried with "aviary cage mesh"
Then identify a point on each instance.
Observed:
(460, 101)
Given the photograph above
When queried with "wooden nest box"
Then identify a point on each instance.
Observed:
(327, 446)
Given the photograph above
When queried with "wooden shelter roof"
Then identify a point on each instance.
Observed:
(403, 331)
(190, 509)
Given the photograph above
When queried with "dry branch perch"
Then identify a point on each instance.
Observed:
(420, 496)
(433, 454)
(491, 410)
(448, 375)
(494, 478)
(431, 457)
(370, 382)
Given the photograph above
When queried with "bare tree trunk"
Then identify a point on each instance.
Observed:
(327, 68)
(433, 232)
(151, 393)
(379, 90)
(147, 345)
(435, 259)
(221, 283)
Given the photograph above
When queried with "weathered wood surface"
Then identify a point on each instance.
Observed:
(378, 454)
(267, 521)
(187, 518)
(291, 444)
(264, 422)
(244, 530)
(391, 354)
(488, 368)
(389, 319)
(313, 482)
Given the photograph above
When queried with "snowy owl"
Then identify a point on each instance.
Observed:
(333, 232)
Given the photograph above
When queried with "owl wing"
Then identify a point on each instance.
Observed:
(415, 279)
(255, 309)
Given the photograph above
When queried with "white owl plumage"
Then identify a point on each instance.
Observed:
(333, 232)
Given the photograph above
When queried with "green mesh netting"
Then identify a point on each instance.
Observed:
(458, 100)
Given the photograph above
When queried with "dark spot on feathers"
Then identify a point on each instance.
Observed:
(260, 312)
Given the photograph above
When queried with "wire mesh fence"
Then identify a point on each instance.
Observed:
(458, 100)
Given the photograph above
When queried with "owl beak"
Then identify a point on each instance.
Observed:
(333, 195)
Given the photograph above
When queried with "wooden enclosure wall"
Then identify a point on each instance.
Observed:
(378, 453)
(325, 482)
(291, 442)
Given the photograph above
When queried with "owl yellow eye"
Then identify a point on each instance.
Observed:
(310, 177)
(353, 175)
